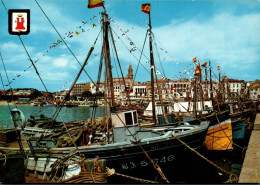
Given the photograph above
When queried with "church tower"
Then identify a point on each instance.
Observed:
(130, 74)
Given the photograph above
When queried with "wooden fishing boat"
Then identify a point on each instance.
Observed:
(126, 155)
(238, 128)
(219, 136)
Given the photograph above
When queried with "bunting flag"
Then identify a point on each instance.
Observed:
(195, 60)
(145, 8)
(163, 77)
(95, 3)
(205, 63)
(218, 68)
(158, 72)
(69, 34)
(198, 69)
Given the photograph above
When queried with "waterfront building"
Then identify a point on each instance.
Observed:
(93, 88)
(23, 91)
(78, 89)
(254, 92)
(236, 86)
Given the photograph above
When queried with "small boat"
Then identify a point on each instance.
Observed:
(219, 136)
(238, 128)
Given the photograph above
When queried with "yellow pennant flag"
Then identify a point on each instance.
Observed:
(95, 3)
(77, 33)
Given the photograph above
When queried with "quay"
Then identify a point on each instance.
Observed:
(250, 172)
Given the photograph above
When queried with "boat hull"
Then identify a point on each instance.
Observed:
(129, 158)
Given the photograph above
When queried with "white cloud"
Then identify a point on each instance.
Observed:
(60, 62)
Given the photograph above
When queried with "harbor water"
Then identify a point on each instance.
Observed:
(67, 114)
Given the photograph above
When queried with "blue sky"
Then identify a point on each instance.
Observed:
(224, 32)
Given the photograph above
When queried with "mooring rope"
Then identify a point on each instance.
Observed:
(111, 172)
(1, 154)
(232, 177)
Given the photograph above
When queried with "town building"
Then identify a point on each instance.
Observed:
(254, 92)
(79, 88)
(236, 86)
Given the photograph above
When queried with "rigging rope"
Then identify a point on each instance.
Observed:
(33, 64)
(231, 175)
(132, 53)
(158, 55)
(15, 124)
(141, 54)
(114, 46)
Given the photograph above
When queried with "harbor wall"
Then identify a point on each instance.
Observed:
(250, 172)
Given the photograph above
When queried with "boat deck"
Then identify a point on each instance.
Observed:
(15, 144)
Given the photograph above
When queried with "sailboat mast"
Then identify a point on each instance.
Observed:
(106, 54)
(152, 69)
(206, 83)
(195, 96)
(210, 81)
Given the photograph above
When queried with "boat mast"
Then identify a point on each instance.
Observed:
(210, 81)
(106, 54)
(195, 96)
(152, 68)
(206, 83)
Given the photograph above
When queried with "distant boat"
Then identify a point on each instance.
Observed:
(93, 105)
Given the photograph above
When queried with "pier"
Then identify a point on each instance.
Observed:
(250, 172)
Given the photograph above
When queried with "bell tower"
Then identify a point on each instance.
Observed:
(130, 72)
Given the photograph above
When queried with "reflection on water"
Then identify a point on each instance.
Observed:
(67, 113)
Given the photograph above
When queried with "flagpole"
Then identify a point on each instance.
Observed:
(152, 69)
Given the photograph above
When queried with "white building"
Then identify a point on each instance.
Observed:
(254, 92)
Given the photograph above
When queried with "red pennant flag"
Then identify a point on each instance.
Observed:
(195, 60)
(145, 8)
(218, 68)
(205, 63)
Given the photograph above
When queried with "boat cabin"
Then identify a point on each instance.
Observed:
(122, 118)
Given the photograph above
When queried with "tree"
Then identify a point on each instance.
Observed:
(35, 94)
(87, 94)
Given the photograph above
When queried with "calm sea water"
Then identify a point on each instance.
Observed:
(67, 113)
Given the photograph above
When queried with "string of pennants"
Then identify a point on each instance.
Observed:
(82, 28)
(131, 43)
(68, 35)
